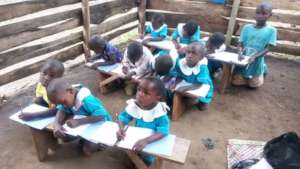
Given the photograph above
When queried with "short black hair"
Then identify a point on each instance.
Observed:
(216, 39)
(55, 66)
(56, 88)
(134, 51)
(158, 17)
(159, 86)
(163, 64)
(97, 41)
(191, 27)
(265, 6)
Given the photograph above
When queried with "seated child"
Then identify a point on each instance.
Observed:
(51, 69)
(148, 111)
(215, 44)
(75, 101)
(104, 50)
(260, 37)
(186, 34)
(193, 69)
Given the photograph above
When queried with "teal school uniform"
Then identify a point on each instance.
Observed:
(199, 74)
(86, 104)
(155, 119)
(161, 32)
(257, 39)
(186, 40)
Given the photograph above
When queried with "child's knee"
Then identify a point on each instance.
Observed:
(256, 82)
(238, 80)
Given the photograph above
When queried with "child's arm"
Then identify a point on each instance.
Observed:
(141, 144)
(262, 53)
(123, 119)
(187, 88)
(59, 121)
(113, 60)
(42, 114)
(73, 123)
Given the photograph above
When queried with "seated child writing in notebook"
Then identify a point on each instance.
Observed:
(75, 101)
(259, 37)
(104, 50)
(51, 69)
(186, 34)
(193, 69)
(148, 111)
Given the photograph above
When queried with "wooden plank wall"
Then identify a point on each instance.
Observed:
(33, 31)
(213, 18)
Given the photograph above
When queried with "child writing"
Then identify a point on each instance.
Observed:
(193, 69)
(51, 69)
(260, 37)
(104, 50)
(186, 34)
(75, 101)
(148, 112)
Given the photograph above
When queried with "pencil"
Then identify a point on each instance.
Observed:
(124, 130)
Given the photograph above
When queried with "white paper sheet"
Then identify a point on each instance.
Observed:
(200, 92)
(229, 57)
(164, 44)
(39, 123)
(77, 130)
(90, 64)
(262, 164)
(163, 147)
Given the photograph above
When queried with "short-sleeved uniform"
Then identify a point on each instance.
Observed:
(41, 91)
(257, 39)
(185, 39)
(198, 74)
(86, 104)
(155, 119)
(109, 51)
(161, 32)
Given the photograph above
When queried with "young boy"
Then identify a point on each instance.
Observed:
(260, 37)
(186, 34)
(75, 101)
(105, 51)
(51, 69)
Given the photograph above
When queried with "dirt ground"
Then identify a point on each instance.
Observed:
(240, 113)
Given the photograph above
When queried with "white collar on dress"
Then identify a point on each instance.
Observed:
(180, 29)
(82, 93)
(156, 30)
(147, 115)
(191, 70)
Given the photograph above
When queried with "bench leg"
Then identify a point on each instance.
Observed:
(138, 162)
(178, 106)
(101, 77)
(226, 78)
(43, 140)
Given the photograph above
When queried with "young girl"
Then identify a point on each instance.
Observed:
(75, 101)
(156, 29)
(193, 69)
(105, 51)
(260, 37)
(51, 69)
(148, 112)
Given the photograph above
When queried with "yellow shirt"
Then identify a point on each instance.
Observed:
(42, 92)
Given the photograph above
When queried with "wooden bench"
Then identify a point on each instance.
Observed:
(44, 139)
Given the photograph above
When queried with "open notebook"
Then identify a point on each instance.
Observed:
(39, 123)
(229, 57)
(90, 64)
(202, 91)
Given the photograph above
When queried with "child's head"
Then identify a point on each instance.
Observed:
(163, 65)
(51, 69)
(157, 20)
(215, 41)
(194, 53)
(59, 91)
(150, 91)
(97, 44)
(134, 51)
(190, 28)
(263, 13)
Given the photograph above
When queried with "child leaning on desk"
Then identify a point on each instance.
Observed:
(75, 101)
(193, 69)
(51, 69)
(148, 111)
(259, 37)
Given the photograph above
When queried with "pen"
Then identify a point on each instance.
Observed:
(124, 130)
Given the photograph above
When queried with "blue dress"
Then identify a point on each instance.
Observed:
(256, 40)
(161, 32)
(155, 119)
(199, 74)
(86, 104)
(186, 39)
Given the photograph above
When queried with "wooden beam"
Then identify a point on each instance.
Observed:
(277, 4)
(86, 28)
(231, 24)
(142, 15)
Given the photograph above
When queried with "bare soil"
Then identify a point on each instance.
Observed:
(240, 113)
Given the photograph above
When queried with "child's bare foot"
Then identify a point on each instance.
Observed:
(202, 106)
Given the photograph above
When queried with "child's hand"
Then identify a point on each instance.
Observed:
(121, 135)
(183, 89)
(140, 145)
(59, 131)
(26, 116)
(241, 56)
(177, 45)
(125, 69)
(252, 59)
(181, 50)
(73, 123)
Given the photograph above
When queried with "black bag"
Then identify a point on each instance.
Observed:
(283, 152)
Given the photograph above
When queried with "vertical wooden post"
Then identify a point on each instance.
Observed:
(226, 67)
(142, 15)
(86, 27)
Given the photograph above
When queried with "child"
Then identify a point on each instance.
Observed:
(193, 69)
(186, 34)
(148, 112)
(157, 29)
(51, 69)
(75, 101)
(105, 51)
(260, 37)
